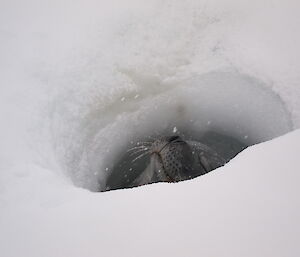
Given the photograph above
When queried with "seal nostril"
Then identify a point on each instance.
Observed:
(172, 138)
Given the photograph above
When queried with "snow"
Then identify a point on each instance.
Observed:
(242, 209)
(80, 80)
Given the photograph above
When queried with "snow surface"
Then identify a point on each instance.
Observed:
(79, 79)
(243, 209)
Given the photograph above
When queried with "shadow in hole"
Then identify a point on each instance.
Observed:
(216, 149)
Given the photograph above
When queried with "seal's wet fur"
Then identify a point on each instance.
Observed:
(172, 159)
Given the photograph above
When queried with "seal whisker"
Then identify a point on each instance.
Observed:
(138, 151)
(153, 138)
(144, 142)
(140, 156)
(136, 148)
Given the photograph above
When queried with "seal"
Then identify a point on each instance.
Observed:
(173, 159)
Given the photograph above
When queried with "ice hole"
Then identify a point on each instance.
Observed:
(227, 111)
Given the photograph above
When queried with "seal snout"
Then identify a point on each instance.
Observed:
(172, 159)
(160, 144)
(170, 154)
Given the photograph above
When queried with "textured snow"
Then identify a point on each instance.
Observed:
(80, 79)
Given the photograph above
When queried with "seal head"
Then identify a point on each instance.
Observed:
(172, 159)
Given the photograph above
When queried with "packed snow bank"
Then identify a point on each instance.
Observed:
(82, 79)
(75, 72)
(243, 209)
